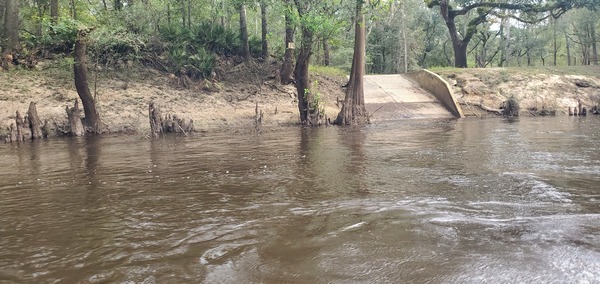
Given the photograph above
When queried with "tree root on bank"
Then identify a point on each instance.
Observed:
(483, 107)
(167, 124)
(27, 128)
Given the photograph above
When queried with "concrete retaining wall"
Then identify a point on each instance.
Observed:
(437, 86)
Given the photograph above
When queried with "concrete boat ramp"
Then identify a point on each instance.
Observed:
(394, 97)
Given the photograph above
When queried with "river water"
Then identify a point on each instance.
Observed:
(445, 201)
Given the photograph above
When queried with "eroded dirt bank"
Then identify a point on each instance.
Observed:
(539, 90)
(226, 101)
(229, 99)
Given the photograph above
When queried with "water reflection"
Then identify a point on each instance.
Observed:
(93, 152)
(355, 169)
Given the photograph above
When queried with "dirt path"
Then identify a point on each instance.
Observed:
(389, 97)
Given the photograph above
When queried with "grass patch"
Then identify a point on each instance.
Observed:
(327, 71)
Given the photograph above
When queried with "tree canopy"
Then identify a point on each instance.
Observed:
(190, 37)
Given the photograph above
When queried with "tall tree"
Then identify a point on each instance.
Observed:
(244, 31)
(353, 110)
(54, 11)
(287, 68)
(10, 33)
(264, 29)
(309, 111)
(531, 11)
(594, 41)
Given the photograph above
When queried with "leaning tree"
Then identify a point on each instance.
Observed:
(92, 118)
(478, 11)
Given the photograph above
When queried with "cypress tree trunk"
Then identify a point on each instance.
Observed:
(287, 68)
(305, 95)
(353, 110)
(92, 118)
(309, 111)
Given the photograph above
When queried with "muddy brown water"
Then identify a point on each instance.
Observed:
(445, 201)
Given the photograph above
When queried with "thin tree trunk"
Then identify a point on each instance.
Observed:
(92, 118)
(404, 39)
(568, 45)
(287, 68)
(507, 47)
(222, 11)
(309, 111)
(263, 19)
(302, 80)
(168, 14)
(555, 43)
(40, 14)
(594, 41)
(353, 110)
(73, 10)
(326, 53)
(11, 26)
(183, 13)
(189, 14)
(54, 10)
(244, 33)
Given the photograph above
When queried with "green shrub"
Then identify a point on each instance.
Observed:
(58, 37)
(196, 64)
(109, 46)
(217, 39)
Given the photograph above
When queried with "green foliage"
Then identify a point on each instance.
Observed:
(110, 46)
(327, 70)
(192, 51)
(58, 38)
(216, 39)
(197, 63)
(316, 105)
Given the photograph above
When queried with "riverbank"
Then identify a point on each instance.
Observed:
(228, 100)
(538, 90)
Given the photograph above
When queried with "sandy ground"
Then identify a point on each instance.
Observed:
(123, 97)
